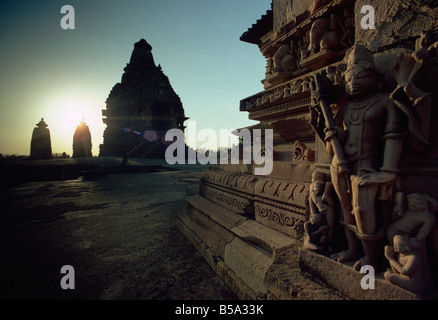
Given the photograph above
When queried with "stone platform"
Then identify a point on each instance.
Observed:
(255, 261)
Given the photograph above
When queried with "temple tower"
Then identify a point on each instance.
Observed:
(40, 145)
(82, 141)
(141, 109)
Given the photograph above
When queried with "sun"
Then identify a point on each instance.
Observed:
(65, 113)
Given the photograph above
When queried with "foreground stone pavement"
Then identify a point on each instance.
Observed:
(118, 232)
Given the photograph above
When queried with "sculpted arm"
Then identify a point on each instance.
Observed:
(427, 226)
(394, 139)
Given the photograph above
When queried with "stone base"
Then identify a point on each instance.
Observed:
(255, 261)
(346, 280)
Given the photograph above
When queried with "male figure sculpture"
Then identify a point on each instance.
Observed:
(366, 137)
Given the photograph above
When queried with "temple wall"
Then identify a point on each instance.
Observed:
(326, 216)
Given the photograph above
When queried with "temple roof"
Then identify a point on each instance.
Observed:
(42, 124)
(258, 29)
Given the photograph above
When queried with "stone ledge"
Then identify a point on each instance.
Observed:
(346, 280)
(286, 281)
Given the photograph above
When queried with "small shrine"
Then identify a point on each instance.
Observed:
(82, 141)
(40, 145)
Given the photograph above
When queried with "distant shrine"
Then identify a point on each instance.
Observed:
(40, 145)
(82, 141)
(141, 109)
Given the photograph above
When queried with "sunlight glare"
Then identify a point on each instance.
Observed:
(65, 114)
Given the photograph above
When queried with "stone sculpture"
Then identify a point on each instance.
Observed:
(407, 252)
(362, 160)
(285, 58)
(409, 96)
(319, 229)
(375, 120)
(407, 265)
(347, 29)
(417, 221)
(325, 33)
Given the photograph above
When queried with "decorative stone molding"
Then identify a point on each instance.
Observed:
(279, 204)
(279, 219)
(292, 106)
(302, 152)
(233, 202)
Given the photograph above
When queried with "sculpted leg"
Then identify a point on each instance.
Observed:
(341, 188)
(364, 209)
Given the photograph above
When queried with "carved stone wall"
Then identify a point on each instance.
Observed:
(347, 210)
(397, 23)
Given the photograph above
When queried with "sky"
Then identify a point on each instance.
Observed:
(66, 75)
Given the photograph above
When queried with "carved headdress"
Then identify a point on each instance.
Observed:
(360, 57)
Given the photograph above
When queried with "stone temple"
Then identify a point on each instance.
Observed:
(40, 145)
(353, 189)
(82, 141)
(140, 109)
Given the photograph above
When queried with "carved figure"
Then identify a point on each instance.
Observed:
(325, 34)
(304, 51)
(407, 266)
(417, 221)
(409, 71)
(285, 58)
(366, 138)
(347, 29)
(319, 228)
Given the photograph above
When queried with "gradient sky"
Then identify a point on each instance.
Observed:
(64, 75)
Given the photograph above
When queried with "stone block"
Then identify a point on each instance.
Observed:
(221, 216)
(213, 235)
(266, 238)
(249, 263)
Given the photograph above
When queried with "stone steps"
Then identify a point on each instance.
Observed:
(255, 261)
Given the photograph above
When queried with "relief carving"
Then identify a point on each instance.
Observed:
(354, 136)
(408, 235)
(282, 191)
(366, 130)
(227, 200)
(319, 229)
(279, 219)
(302, 152)
(285, 59)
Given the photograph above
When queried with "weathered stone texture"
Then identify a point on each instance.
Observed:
(397, 23)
